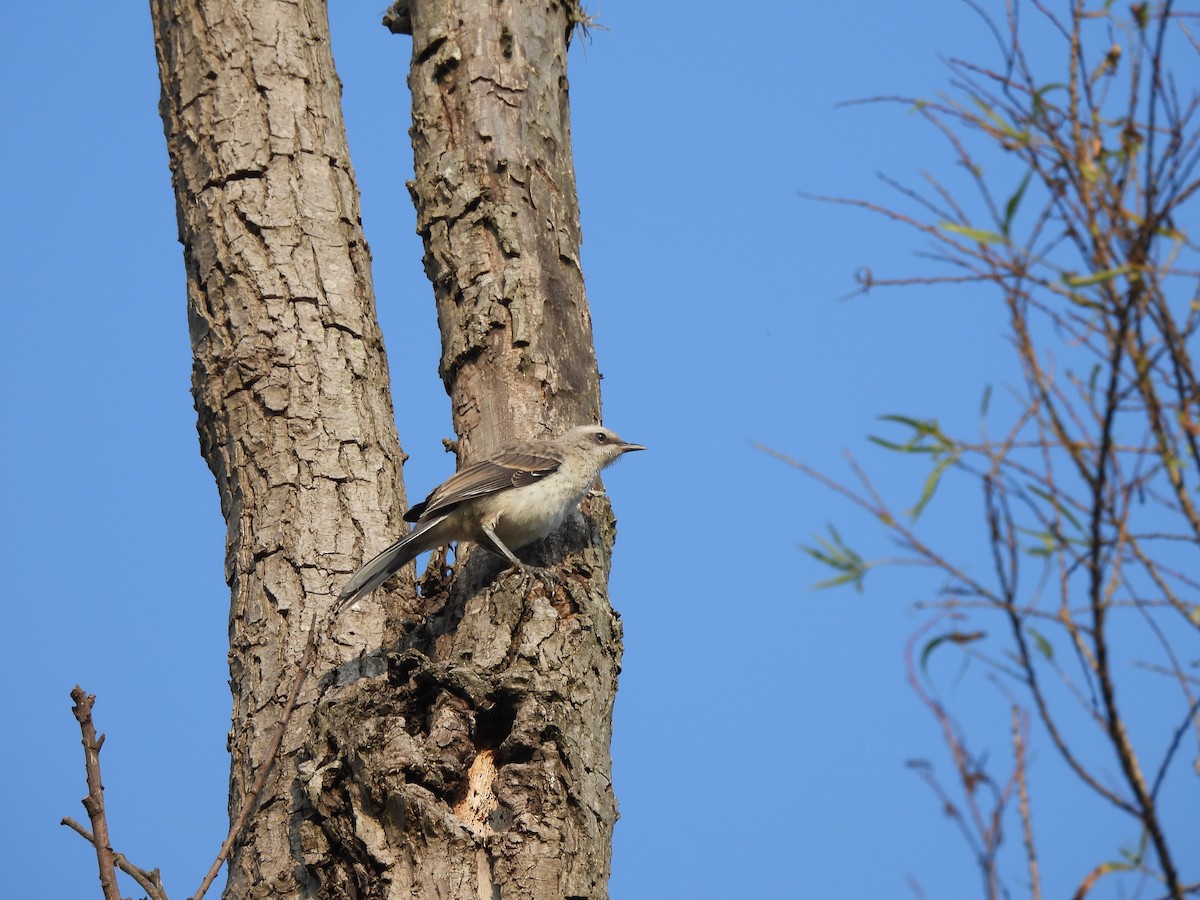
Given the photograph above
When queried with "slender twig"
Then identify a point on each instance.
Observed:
(94, 801)
(1175, 741)
(982, 831)
(150, 881)
(250, 801)
(1020, 738)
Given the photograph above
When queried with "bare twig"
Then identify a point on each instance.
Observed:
(981, 826)
(150, 881)
(1020, 737)
(94, 801)
(1101, 465)
(251, 799)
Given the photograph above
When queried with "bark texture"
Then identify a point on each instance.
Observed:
(497, 208)
(290, 379)
(477, 764)
(453, 743)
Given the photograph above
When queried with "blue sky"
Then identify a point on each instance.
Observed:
(762, 728)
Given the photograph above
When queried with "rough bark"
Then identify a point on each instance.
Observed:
(497, 209)
(459, 748)
(477, 763)
(290, 379)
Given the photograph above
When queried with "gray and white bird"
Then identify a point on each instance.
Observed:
(511, 498)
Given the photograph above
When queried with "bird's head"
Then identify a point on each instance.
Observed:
(598, 443)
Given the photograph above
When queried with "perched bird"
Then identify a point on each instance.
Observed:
(511, 498)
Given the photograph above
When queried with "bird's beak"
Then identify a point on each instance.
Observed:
(625, 447)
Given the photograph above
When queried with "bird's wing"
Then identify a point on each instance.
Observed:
(384, 565)
(507, 469)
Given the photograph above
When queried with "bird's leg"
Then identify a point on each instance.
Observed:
(492, 542)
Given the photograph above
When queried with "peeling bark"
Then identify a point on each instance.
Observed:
(494, 189)
(476, 756)
(453, 743)
(484, 767)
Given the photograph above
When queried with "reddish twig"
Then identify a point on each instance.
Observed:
(94, 801)
(260, 780)
(1020, 736)
(151, 882)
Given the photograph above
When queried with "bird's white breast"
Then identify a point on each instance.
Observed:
(534, 511)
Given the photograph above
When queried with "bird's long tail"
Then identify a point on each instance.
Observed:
(383, 566)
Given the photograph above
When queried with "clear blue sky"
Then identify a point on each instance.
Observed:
(762, 728)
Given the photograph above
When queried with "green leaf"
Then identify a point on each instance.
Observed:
(1058, 506)
(928, 649)
(986, 402)
(892, 445)
(999, 122)
(1081, 299)
(915, 424)
(1076, 281)
(1043, 645)
(1048, 542)
(923, 427)
(834, 553)
(962, 638)
(1010, 208)
(931, 484)
(976, 234)
(1093, 380)
(1039, 104)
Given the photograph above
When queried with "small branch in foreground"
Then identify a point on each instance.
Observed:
(151, 882)
(1020, 739)
(94, 801)
(260, 780)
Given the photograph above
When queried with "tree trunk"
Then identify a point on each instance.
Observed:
(455, 744)
(290, 379)
(496, 207)
(481, 760)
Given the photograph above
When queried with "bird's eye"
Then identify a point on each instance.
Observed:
(601, 437)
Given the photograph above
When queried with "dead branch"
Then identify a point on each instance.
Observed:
(250, 801)
(150, 881)
(94, 801)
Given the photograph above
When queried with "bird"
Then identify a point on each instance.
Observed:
(517, 495)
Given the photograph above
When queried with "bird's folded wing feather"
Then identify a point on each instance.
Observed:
(507, 469)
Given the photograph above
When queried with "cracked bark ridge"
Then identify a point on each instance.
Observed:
(470, 754)
(290, 379)
(494, 189)
(471, 760)
(474, 760)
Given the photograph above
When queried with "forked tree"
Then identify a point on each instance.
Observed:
(451, 738)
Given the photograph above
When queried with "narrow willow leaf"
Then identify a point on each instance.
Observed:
(892, 445)
(1096, 277)
(931, 484)
(928, 649)
(1039, 104)
(1044, 646)
(1054, 501)
(962, 638)
(999, 121)
(833, 553)
(1010, 209)
(975, 234)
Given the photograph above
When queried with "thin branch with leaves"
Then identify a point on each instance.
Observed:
(1089, 494)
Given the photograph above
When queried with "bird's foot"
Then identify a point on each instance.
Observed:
(539, 573)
